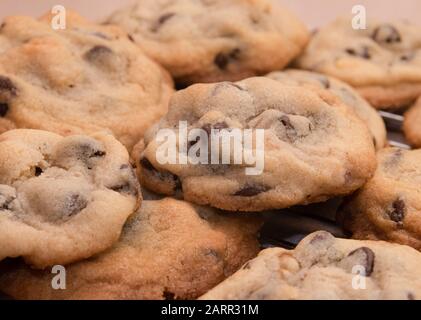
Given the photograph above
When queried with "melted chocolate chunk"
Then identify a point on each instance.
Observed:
(397, 214)
(4, 108)
(386, 34)
(75, 204)
(130, 37)
(168, 295)
(217, 126)
(7, 86)
(5, 202)
(126, 188)
(365, 257)
(97, 52)
(364, 52)
(223, 59)
(251, 191)
(161, 20)
(38, 171)
(161, 175)
(325, 82)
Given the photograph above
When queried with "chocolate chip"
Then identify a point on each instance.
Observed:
(217, 126)
(251, 190)
(325, 82)
(6, 85)
(397, 214)
(97, 53)
(101, 35)
(75, 204)
(98, 153)
(223, 59)
(161, 20)
(126, 188)
(167, 295)
(411, 296)
(161, 175)
(4, 108)
(286, 122)
(407, 56)
(365, 257)
(363, 52)
(246, 266)
(130, 37)
(386, 34)
(38, 171)
(5, 202)
(165, 17)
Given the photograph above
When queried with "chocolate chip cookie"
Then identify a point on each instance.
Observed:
(347, 94)
(388, 206)
(326, 268)
(214, 40)
(383, 61)
(412, 125)
(313, 146)
(169, 249)
(78, 80)
(62, 199)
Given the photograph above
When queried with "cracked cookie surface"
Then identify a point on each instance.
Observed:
(388, 207)
(214, 40)
(325, 268)
(314, 146)
(342, 90)
(169, 249)
(80, 80)
(383, 62)
(62, 199)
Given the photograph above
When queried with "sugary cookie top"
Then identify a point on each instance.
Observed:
(345, 92)
(313, 145)
(62, 199)
(214, 40)
(169, 249)
(323, 267)
(388, 206)
(81, 79)
(384, 54)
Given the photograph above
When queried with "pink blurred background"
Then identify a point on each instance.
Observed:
(313, 12)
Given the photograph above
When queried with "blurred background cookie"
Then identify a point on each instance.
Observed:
(217, 40)
(383, 62)
(78, 80)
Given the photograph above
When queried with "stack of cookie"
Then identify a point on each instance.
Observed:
(83, 185)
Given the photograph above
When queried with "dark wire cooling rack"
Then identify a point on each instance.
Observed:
(285, 228)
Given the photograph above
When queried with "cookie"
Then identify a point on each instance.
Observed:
(412, 125)
(326, 268)
(169, 249)
(383, 62)
(214, 40)
(80, 80)
(62, 199)
(347, 94)
(388, 207)
(314, 147)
